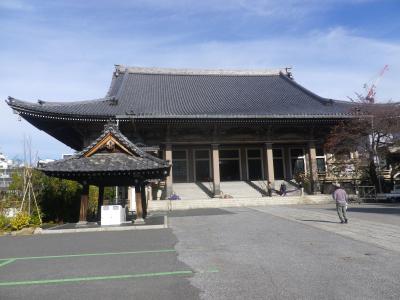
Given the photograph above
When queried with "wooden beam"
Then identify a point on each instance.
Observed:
(169, 179)
(269, 162)
(139, 207)
(84, 204)
(215, 169)
(315, 188)
(100, 202)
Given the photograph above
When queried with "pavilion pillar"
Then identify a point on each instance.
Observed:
(131, 198)
(143, 190)
(215, 168)
(139, 205)
(168, 180)
(269, 163)
(312, 155)
(149, 196)
(100, 202)
(84, 204)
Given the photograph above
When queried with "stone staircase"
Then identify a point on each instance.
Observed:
(231, 189)
(239, 189)
(193, 191)
(242, 193)
(292, 188)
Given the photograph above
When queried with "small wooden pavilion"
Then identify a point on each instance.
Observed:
(110, 160)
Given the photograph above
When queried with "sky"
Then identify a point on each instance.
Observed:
(65, 50)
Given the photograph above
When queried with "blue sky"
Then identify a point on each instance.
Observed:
(66, 50)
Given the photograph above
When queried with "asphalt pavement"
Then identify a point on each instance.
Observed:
(235, 253)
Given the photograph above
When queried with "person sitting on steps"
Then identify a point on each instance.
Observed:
(283, 189)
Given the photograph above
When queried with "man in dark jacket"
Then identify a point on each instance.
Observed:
(340, 196)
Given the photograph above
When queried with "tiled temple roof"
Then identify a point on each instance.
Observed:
(176, 93)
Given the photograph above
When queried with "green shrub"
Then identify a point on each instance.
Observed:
(4, 222)
(35, 220)
(20, 221)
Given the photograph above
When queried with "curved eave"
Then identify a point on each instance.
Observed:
(110, 177)
(130, 118)
(104, 172)
(34, 110)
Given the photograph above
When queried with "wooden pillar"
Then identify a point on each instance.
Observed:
(215, 168)
(168, 180)
(131, 198)
(143, 190)
(139, 207)
(100, 202)
(243, 164)
(84, 204)
(190, 160)
(269, 163)
(312, 155)
(149, 196)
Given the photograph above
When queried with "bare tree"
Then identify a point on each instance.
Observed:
(372, 132)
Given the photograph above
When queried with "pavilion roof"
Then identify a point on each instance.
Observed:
(150, 93)
(110, 155)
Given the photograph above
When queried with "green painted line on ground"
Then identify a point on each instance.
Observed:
(90, 254)
(95, 278)
(6, 262)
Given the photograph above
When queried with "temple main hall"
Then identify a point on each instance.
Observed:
(212, 126)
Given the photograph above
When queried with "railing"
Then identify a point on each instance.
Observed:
(366, 192)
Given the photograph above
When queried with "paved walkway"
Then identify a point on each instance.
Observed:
(383, 235)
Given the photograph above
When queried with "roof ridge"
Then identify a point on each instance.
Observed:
(194, 71)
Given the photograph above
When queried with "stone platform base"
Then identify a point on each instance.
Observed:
(168, 205)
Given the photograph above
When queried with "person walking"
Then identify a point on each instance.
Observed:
(340, 196)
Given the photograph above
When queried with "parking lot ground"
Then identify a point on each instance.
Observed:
(86, 266)
(277, 252)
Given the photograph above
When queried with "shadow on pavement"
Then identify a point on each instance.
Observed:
(198, 212)
(376, 210)
(390, 209)
(319, 221)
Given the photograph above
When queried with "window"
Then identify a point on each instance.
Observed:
(279, 167)
(227, 154)
(297, 161)
(179, 166)
(229, 164)
(202, 165)
(254, 164)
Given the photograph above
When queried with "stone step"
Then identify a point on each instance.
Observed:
(193, 191)
(239, 189)
(291, 188)
(235, 202)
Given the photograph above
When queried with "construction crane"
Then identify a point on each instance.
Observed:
(370, 87)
